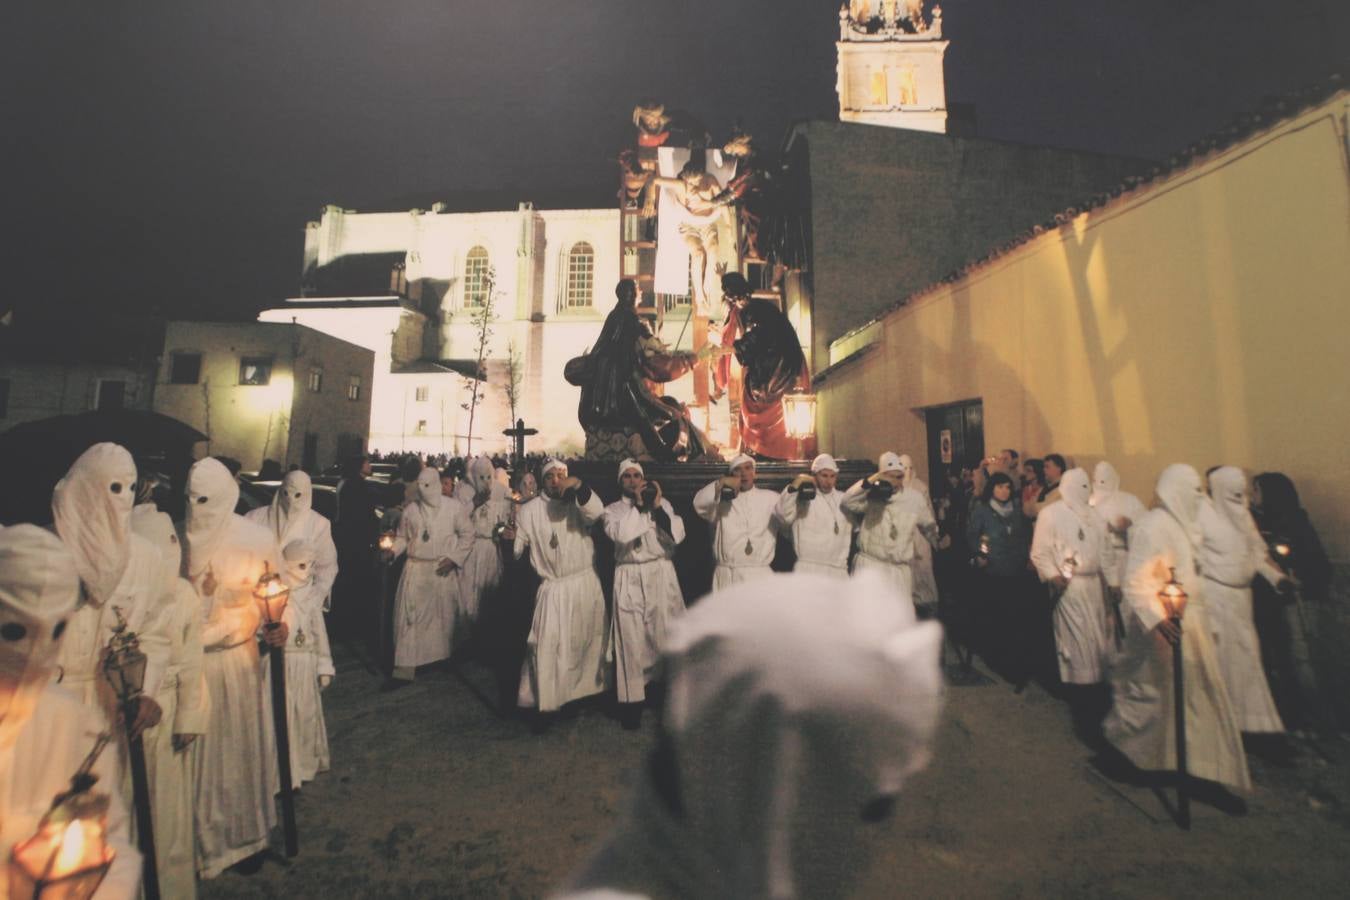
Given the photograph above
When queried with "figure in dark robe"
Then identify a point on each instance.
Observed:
(615, 378)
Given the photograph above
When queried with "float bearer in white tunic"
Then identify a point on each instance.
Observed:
(1072, 552)
(888, 523)
(567, 649)
(821, 531)
(1141, 723)
(291, 517)
(1232, 554)
(647, 596)
(437, 535)
(45, 730)
(744, 527)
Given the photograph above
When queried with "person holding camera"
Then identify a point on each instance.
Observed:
(647, 597)
(821, 532)
(891, 516)
(744, 526)
(565, 653)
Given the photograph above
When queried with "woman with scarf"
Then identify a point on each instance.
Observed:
(234, 766)
(1165, 544)
(437, 535)
(1000, 539)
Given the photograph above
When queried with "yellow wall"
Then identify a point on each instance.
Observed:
(1204, 319)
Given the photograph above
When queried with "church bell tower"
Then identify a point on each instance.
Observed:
(890, 65)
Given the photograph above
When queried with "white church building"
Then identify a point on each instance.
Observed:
(412, 286)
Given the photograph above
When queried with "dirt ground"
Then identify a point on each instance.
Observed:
(433, 794)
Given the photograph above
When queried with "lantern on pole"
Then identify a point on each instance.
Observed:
(272, 594)
(124, 668)
(1174, 597)
(68, 856)
(799, 416)
(385, 546)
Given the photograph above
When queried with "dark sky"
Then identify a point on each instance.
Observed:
(166, 155)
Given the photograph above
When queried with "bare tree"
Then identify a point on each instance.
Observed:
(515, 374)
(482, 323)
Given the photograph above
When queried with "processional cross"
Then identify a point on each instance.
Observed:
(519, 433)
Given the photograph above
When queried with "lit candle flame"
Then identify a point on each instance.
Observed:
(71, 851)
(1282, 549)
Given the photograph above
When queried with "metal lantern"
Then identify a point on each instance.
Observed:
(799, 414)
(124, 664)
(1282, 552)
(1173, 596)
(68, 856)
(386, 541)
(271, 593)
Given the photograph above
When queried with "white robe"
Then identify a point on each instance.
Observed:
(821, 532)
(1142, 720)
(234, 762)
(925, 581)
(567, 648)
(744, 532)
(186, 709)
(484, 566)
(46, 752)
(888, 532)
(314, 528)
(1083, 621)
(426, 606)
(308, 657)
(1230, 560)
(647, 595)
(1111, 507)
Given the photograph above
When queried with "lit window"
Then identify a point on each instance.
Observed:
(421, 427)
(354, 387)
(185, 368)
(476, 280)
(878, 87)
(908, 92)
(315, 380)
(422, 393)
(580, 276)
(255, 370)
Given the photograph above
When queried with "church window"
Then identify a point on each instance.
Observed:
(422, 393)
(315, 380)
(878, 87)
(580, 276)
(354, 387)
(255, 370)
(908, 91)
(185, 368)
(421, 427)
(4, 397)
(476, 281)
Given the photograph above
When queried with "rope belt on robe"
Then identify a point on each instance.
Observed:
(1237, 587)
(886, 562)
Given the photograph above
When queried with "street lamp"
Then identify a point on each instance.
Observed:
(68, 856)
(1174, 597)
(124, 668)
(272, 593)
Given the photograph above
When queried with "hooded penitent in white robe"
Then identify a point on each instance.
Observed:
(567, 648)
(433, 529)
(1141, 723)
(889, 531)
(647, 595)
(1232, 554)
(1071, 540)
(309, 664)
(291, 517)
(489, 502)
(774, 759)
(46, 731)
(821, 532)
(1113, 505)
(925, 581)
(744, 532)
(234, 763)
(186, 709)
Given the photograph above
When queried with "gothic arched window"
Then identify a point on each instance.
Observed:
(580, 288)
(476, 278)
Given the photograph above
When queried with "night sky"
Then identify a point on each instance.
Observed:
(165, 156)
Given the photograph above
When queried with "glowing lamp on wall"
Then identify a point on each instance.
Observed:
(799, 414)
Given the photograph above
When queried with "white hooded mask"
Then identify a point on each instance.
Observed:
(1076, 491)
(38, 591)
(797, 706)
(1105, 483)
(429, 490)
(1181, 493)
(157, 528)
(1228, 489)
(481, 475)
(212, 494)
(92, 508)
(907, 466)
(297, 562)
(292, 500)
